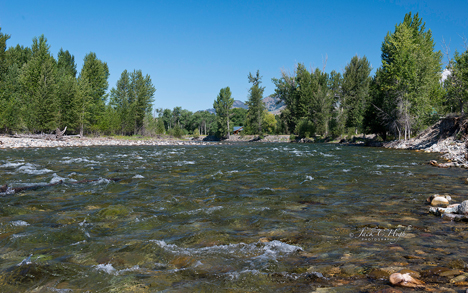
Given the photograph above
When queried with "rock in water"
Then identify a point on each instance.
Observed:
(405, 280)
(430, 198)
(463, 208)
(439, 201)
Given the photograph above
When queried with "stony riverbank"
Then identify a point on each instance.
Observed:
(448, 136)
(12, 142)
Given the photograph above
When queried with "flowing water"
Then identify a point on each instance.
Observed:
(222, 217)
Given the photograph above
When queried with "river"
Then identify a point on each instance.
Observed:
(223, 217)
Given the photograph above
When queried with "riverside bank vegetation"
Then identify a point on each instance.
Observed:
(39, 93)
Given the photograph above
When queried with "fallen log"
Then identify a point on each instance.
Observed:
(7, 190)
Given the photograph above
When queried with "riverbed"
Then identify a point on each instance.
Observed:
(224, 217)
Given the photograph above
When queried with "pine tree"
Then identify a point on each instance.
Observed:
(38, 80)
(96, 73)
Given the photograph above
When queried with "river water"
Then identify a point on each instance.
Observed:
(223, 217)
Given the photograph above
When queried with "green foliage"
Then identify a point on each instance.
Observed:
(66, 62)
(409, 80)
(160, 126)
(456, 83)
(177, 131)
(132, 99)
(305, 128)
(3, 62)
(292, 137)
(355, 88)
(255, 104)
(38, 81)
(222, 106)
(238, 116)
(268, 122)
(196, 133)
(96, 73)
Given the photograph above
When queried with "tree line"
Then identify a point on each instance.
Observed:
(405, 95)
(39, 93)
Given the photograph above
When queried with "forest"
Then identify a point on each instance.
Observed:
(40, 93)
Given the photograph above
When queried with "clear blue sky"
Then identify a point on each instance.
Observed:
(192, 49)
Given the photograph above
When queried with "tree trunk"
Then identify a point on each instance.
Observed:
(228, 127)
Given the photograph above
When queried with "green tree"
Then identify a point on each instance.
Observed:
(269, 122)
(160, 126)
(67, 110)
(255, 104)
(38, 80)
(84, 100)
(410, 77)
(222, 105)
(66, 62)
(132, 99)
(355, 90)
(96, 73)
(456, 83)
(238, 116)
(3, 63)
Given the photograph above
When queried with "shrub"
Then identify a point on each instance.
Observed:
(196, 133)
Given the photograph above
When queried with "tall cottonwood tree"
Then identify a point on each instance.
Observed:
(222, 105)
(456, 83)
(255, 104)
(411, 70)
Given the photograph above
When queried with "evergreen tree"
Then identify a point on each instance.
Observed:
(160, 126)
(84, 100)
(222, 105)
(255, 104)
(96, 73)
(66, 62)
(132, 99)
(3, 63)
(355, 90)
(67, 91)
(38, 80)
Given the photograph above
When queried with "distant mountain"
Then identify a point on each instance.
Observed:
(236, 104)
(271, 104)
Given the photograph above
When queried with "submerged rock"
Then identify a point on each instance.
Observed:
(405, 280)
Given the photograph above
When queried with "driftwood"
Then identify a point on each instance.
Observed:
(4, 188)
(59, 135)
